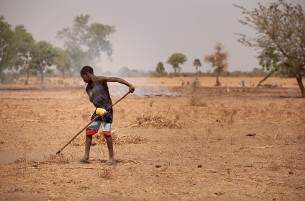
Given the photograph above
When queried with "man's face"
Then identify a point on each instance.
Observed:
(86, 77)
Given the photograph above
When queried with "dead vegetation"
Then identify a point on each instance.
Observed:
(227, 116)
(155, 121)
(105, 174)
(253, 153)
(58, 158)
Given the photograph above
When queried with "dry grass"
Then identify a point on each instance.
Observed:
(195, 98)
(105, 174)
(155, 121)
(58, 158)
(227, 116)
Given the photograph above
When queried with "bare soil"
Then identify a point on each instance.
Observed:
(208, 143)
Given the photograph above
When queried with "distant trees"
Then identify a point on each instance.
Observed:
(280, 30)
(23, 44)
(62, 61)
(16, 47)
(176, 59)
(7, 52)
(86, 42)
(269, 60)
(197, 64)
(42, 56)
(160, 68)
(218, 60)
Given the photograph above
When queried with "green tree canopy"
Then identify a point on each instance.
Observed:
(218, 60)
(23, 44)
(43, 56)
(280, 28)
(86, 42)
(6, 40)
(176, 59)
(160, 68)
(197, 64)
(62, 61)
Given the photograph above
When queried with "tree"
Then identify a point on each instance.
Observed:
(85, 42)
(23, 44)
(268, 59)
(6, 50)
(160, 68)
(176, 59)
(218, 60)
(280, 27)
(42, 55)
(197, 64)
(62, 61)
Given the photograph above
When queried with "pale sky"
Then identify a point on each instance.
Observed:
(147, 31)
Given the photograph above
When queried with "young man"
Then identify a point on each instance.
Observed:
(98, 93)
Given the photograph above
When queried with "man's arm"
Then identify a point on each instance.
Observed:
(116, 79)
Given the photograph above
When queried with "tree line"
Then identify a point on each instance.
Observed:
(280, 40)
(218, 60)
(84, 43)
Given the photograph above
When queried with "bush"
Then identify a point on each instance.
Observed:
(9, 78)
(49, 72)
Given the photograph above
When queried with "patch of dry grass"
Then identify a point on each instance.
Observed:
(155, 121)
(58, 158)
(105, 174)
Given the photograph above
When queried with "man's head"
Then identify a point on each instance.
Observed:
(85, 73)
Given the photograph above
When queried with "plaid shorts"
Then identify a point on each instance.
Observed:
(95, 126)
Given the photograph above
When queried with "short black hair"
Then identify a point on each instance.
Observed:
(86, 69)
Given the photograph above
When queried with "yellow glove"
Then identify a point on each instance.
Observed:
(100, 111)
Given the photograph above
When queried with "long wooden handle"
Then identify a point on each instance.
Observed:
(79, 132)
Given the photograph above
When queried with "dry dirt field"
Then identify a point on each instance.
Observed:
(205, 143)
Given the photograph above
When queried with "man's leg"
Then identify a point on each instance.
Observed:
(107, 133)
(110, 149)
(91, 130)
(87, 148)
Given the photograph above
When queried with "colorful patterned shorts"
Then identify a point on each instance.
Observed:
(95, 126)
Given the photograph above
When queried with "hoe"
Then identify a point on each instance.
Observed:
(90, 123)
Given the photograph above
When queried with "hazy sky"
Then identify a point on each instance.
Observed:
(147, 31)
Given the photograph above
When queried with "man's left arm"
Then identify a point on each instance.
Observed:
(116, 79)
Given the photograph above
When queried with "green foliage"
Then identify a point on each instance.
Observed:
(50, 72)
(176, 59)
(160, 71)
(6, 48)
(43, 55)
(8, 78)
(280, 35)
(160, 68)
(197, 64)
(23, 45)
(62, 61)
(85, 42)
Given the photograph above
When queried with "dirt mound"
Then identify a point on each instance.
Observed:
(152, 121)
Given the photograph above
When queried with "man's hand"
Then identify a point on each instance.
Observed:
(100, 111)
(131, 88)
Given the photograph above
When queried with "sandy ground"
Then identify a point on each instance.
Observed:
(208, 143)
